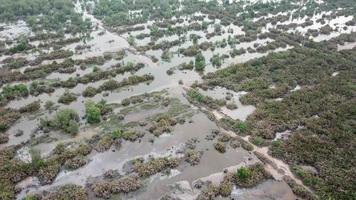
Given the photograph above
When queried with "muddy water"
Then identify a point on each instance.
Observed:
(337, 24)
(209, 169)
(347, 45)
(265, 191)
(26, 126)
(13, 31)
(56, 138)
(102, 40)
(165, 145)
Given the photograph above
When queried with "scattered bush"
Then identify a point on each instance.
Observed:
(67, 98)
(92, 112)
(66, 120)
(199, 62)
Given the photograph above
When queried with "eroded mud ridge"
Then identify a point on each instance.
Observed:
(177, 99)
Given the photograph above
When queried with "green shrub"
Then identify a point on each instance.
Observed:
(251, 175)
(243, 173)
(67, 98)
(259, 141)
(199, 62)
(49, 105)
(66, 120)
(117, 134)
(196, 95)
(93, 113)
(11, 92)
(19, 47)
(89, 92)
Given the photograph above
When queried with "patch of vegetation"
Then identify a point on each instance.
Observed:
(111, 84)
(13, 170)
(69, 191)
(75, 163)
(196, 97)
(166, 56)
(106, 141)
(126, 135)
(251, 175)
(231, 106)
(56, 54)
(21, 46)
(237, 52)
(192, 156)
(92, 112)
(199, 62)
(154, 165)
(258, 141)
(236, 126)
(67, 98)
(89, 92)
(38, 87)
(216, 60)
(299, 190)
(15, 63)
(140, 101)
(220, 147)
(98, 75)
(8, 117)
(31, 107)
(66, 120)
(9, 92)
(104, 189)
(210, 192)
(162, 125)
(225, 187)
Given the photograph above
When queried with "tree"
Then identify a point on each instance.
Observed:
(93, 113)
(199, 62)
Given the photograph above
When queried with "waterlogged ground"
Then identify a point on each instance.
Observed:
(194, 122)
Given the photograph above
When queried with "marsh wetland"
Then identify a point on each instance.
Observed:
(177, 99)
